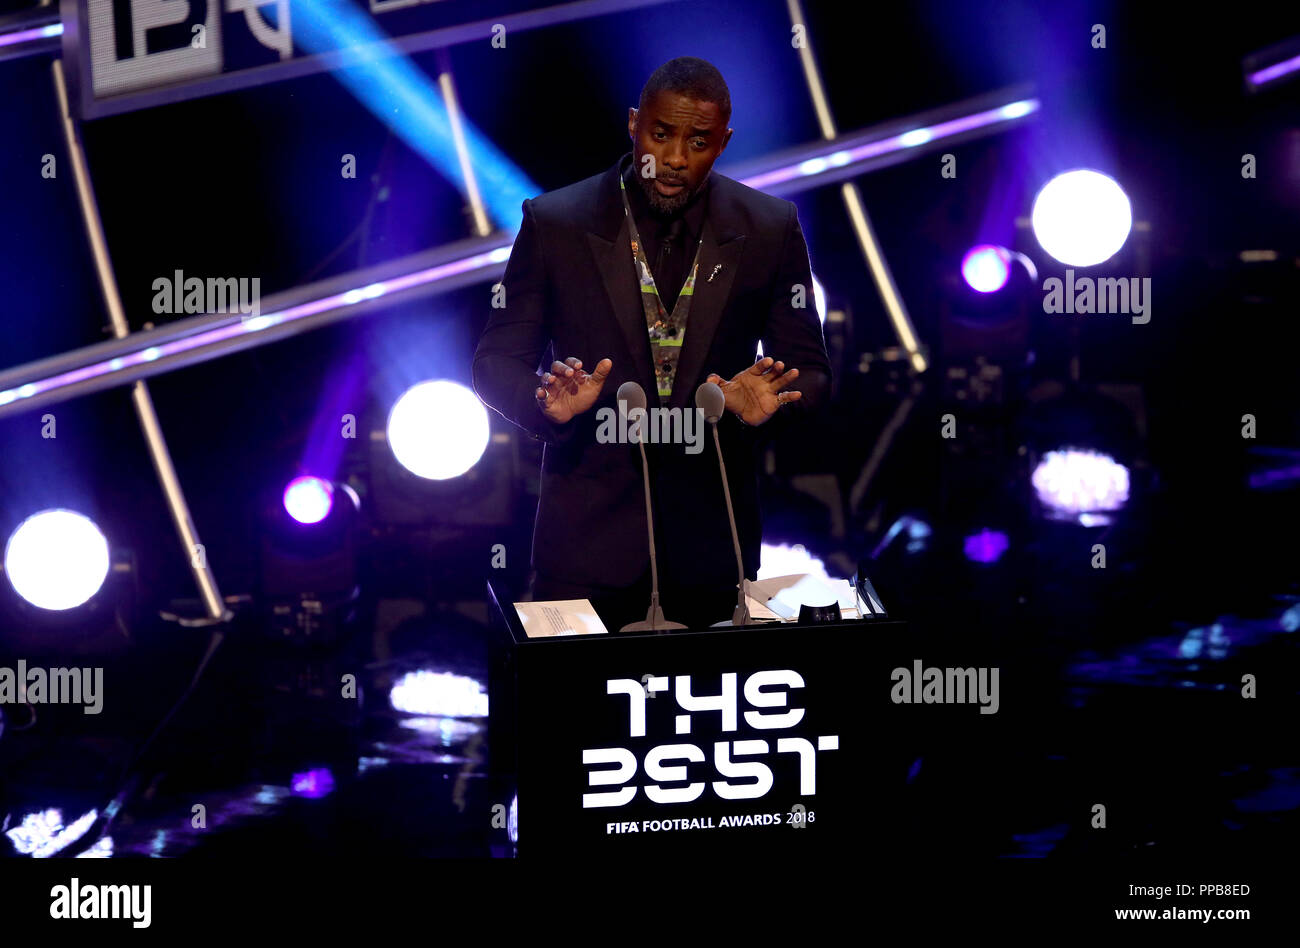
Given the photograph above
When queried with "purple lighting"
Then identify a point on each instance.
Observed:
(28, 36)
(309, 499)
(987, 546)
(1275, 71)
(313, 784)
(986, 268)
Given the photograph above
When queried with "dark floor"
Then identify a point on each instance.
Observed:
(267, 757)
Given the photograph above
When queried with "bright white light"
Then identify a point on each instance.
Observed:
(439, 693)
(1075, 482)
(151, 353)
(499, 255)
(788, 560)
(57, 559)
(986, 268)
(438, 429)
(918, 136)
(27, 391)
(840, 158)
(309, 499)
(41, 835)
(819, 299)
(1015, 110)
(1082, 218)
(813, 166)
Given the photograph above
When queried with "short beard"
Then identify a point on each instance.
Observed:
(660, 204)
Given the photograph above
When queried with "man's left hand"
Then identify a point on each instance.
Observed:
(755, 394)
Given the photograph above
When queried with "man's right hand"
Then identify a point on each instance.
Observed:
(567, 390)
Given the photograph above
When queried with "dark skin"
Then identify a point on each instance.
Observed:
(675, 141)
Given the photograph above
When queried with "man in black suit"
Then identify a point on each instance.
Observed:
(579, 288)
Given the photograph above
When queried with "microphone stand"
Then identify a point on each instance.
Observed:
(741, 614)
(654, 617)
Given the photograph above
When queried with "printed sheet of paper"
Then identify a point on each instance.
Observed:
(559, 617)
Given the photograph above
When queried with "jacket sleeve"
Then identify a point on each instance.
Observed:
(794, 333)
(516, 337)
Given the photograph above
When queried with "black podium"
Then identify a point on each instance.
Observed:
(727, 741)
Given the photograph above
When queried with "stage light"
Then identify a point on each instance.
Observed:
(41, 835)
(309, 499)
(438, 430)
(782, 560)
(1082, 218)
(987, 546)
(57, 559)
(439, 693)
(512, 825)
(1077, 483)
(313, 784)
(986, 268)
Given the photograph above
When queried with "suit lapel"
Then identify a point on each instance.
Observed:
(617, 271)
(721, 247)
(719, 260)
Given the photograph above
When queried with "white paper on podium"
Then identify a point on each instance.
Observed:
(559, 617)
(784, 595)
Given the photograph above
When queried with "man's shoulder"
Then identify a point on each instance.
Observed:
(757, 202)
(562, 202)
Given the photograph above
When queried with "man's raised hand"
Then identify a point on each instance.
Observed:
(755, 394)
(567, 390)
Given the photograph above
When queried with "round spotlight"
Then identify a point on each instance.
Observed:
(986, 268)
(438, 430)
(57, 559)
(1074, 483)
(1082, 217)
(309, 499)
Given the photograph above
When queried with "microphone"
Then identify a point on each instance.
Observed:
(710, 400)
(632, 396)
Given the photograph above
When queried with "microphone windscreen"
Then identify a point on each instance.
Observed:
(633, 394)
(710, 400)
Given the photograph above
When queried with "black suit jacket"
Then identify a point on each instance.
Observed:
(571, 290)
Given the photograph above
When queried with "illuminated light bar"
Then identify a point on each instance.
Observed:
(125, 360)
(32, 35)
(839, 162)
(201, 338)
(1273, 64)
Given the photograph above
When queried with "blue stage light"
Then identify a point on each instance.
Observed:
(409, 102)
